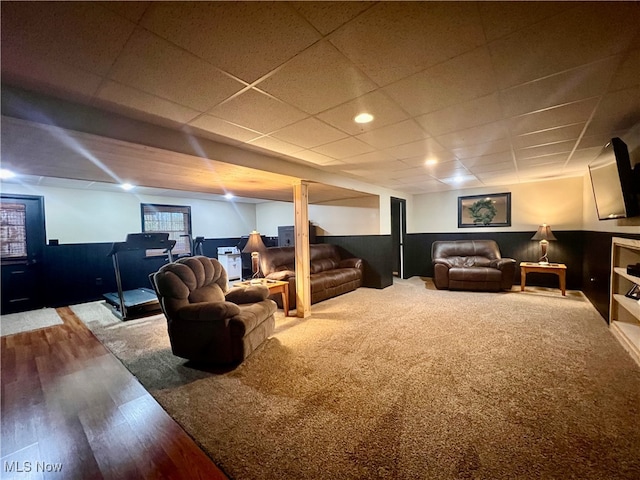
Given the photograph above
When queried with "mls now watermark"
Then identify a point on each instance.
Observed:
(27, 467)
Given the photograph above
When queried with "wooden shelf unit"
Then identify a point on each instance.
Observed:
(624, 312)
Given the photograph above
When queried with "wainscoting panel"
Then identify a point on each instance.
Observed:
(83, 272)
(375, 250)
(516, 245)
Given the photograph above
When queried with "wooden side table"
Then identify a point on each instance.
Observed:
(559, 269)
(274, 286)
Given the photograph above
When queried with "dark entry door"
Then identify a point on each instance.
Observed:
(22, 247)
(398, 233)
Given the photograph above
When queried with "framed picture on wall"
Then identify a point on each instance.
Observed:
(493, 210)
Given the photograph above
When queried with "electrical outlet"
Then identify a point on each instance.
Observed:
(98, 281)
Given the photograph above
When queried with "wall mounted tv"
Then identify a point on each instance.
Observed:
(616, 184)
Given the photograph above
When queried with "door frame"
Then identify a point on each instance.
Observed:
(35, 247)
(398, 232)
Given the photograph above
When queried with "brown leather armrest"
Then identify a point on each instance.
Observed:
(350, 263)
(207, 311)
(249, 294)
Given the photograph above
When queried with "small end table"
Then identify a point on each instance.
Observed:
(559, 269)
(274, 286)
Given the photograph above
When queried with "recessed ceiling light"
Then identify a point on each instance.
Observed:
(127, 186)
(229, 196)
(363, 118)
(6, 174)
(431, 161)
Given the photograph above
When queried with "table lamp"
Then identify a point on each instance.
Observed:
(254, 246)
(544, 235)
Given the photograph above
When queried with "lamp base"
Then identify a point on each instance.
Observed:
(543, 260)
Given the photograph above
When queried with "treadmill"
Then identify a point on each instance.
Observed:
(139, 302)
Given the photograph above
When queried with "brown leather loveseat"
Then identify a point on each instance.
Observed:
(471, 265)
(331, 274)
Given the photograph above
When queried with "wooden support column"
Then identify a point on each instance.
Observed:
(301, 227)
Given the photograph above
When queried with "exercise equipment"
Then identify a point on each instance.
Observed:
(140, 301)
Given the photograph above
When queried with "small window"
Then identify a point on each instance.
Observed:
(172, 219)
(14, 230)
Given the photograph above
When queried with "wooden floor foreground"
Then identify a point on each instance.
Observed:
(71, 410)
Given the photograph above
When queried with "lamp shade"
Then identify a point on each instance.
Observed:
(544, 233)
(254, 244)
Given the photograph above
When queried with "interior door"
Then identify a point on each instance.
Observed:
(22, 246)
(398, 233)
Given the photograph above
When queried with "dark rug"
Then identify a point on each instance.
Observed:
(407, 383)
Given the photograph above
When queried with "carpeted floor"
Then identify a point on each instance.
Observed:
(409, 382)
(26, 321)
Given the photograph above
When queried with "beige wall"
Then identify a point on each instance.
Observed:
(85, 216)
(347, 217)
(558, 203)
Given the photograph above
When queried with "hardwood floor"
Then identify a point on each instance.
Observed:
(70, 410)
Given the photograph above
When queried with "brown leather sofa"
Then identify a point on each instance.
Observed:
(471, 265)
(207, 322)
(331, 274)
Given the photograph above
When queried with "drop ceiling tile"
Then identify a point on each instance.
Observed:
(48, 75)
(627, 75)
(597, 140)
(130, 10)
(81, 34)
(519, 14)
(334, 80)
(391, 135)
(501, 158)
(226, 129)
(551, 135)
(566, 87)
(422, 148)
(317, 158)
(560, 116)
(347, 147)
(309, 133)
(446, 84)
(395, 39)
(500, 146)
(543, 150)
(496, 179)
(327, 16)
(617, 111)
(541, 172)
(482, 134)
(275, 145)
(251, 38)
(557, 159)
(462, 181)
(371, 157)
(257, 111)
(475, 112)
(159, 68)
(585, 156)
(493, 168)
(134, 99)
(384, 110)
(450, 169)
(415, 180)
(581, 33)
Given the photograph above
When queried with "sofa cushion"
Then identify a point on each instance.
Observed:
(475, 274)
(323, 265)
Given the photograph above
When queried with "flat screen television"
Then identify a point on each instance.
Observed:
(615, 183)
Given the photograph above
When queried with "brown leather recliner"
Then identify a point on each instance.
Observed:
(207, 321)
(471, 265)
(330, 274)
